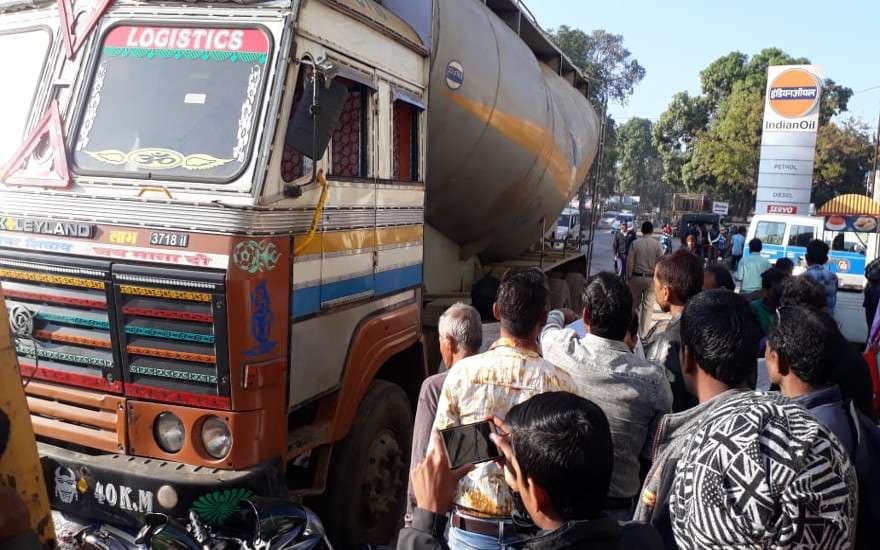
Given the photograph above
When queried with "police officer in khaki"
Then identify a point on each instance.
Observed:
(640, 262)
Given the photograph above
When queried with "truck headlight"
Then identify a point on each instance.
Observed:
(169, 432)
(216, 437)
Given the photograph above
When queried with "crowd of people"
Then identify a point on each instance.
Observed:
(616, 437)
(712, 243)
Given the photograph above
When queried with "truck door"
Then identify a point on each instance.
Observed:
(772, 234)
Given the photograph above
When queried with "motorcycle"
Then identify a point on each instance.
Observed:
(258, 524)
(666, 242)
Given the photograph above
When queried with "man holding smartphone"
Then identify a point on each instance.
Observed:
(488, 385)
(557, 458)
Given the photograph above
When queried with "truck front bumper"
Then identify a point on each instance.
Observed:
(120, 489)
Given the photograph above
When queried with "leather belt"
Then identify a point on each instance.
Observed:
(498, 528)
(637, 274)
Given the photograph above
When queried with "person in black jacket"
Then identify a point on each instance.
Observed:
(850, 371)
(558, 458)
(872, 292)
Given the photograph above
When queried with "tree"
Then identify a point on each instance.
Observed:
(675, 133)
(725, 157)
(718, 78)
(603, 57)
(712, 142)
(843, 155)
(608, 181)
(639, 164)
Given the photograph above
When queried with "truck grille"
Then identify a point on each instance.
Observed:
(62, 321)
(173, 335)
(151, 333)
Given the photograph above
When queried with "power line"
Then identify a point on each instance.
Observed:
(867, 89)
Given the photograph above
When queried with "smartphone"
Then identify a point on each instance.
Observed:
(470, 444)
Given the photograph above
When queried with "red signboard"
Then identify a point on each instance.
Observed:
(781, 209)
(184, 38)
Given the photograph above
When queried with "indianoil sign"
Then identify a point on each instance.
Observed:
(788, 143)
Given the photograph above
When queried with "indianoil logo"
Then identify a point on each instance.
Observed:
(794, 93)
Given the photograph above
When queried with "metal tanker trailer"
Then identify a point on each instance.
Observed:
(511, 134)
(510, 141)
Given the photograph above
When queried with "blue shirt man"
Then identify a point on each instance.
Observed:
(737, 243)
(817, 257)
(751, 267)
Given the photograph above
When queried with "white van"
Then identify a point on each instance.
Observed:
(568, 226)
(787, 236)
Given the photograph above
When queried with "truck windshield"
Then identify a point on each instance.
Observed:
(16, 100)
(173, 103)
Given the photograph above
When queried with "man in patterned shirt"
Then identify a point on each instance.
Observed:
(490, 384)
(817, 257)
(719, 346)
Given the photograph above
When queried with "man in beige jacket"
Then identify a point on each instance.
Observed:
(640, 262)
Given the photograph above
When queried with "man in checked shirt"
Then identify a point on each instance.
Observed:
(490, 384)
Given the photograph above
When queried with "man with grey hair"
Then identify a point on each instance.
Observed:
(461, 335)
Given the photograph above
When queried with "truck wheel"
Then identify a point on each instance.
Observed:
(576, 283)
(560, 297)
(366, 489)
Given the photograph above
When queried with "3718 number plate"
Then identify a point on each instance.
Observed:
(161, 238)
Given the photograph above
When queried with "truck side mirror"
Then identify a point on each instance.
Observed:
(314, 122)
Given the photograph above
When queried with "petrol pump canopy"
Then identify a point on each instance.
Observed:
(856, 213)
(850, 205)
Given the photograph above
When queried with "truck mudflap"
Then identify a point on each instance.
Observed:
(120, 489)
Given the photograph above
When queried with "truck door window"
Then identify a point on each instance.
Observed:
(350, 138)
(800, 235)
(173, 102)
(770, 232)
(16, 99)
(406, 142)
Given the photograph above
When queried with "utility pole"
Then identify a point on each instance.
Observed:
(594, 183)
(875, 185)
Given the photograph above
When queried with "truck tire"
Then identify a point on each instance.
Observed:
(576, 283)
(366, 487)
(560, 297)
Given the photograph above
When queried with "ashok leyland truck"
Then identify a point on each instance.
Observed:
(225, 229)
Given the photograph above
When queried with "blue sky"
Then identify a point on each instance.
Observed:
(675, 39)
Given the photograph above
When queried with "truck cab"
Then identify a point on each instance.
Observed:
(209, 287)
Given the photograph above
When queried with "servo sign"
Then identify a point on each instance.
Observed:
(47, 227)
